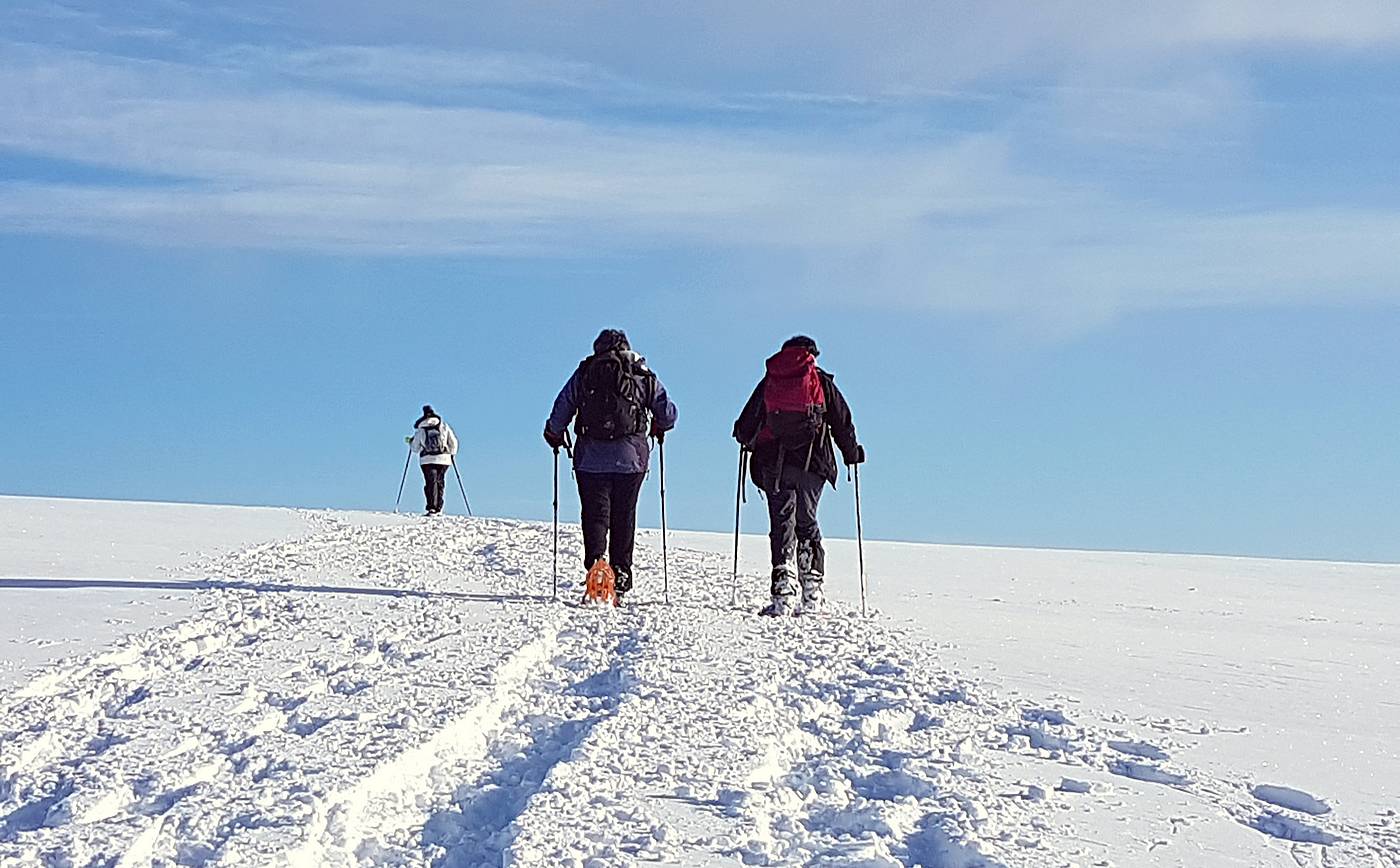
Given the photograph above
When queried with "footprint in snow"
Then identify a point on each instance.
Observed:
(1286, 828)
(1050, 716)
(1140, 749)
(1293, 800)
(1146, 772)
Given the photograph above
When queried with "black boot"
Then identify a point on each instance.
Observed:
(622, 584)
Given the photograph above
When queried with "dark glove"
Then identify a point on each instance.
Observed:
(658, 433)
(555, 441)
(856, 456)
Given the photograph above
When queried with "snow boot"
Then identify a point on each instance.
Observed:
(599, 587)
(622, 583)
(813, 599)
(783, 589)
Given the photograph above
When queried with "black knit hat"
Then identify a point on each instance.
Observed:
(428, 410)
(609, 340)
(802, 341)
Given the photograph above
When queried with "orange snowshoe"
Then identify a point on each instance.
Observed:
(599, 587)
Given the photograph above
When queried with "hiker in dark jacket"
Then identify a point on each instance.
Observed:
(615, 402)
(789, 424)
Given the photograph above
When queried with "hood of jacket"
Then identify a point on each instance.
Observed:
(429, 422)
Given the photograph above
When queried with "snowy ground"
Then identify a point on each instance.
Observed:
(287, 687)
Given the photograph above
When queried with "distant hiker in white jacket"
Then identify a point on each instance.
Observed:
(435, 445)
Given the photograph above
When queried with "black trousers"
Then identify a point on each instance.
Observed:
(434, 481)
(609, 511)
(792, 516)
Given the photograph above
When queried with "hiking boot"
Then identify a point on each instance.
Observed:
(622, 583)
(783, 590)
(813, 599)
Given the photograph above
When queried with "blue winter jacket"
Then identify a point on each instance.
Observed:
(629, 454)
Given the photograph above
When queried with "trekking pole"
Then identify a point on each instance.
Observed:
(569, 449)
(665, 569)
(460, 486)
(860, 541)
(403, 478)
(555, 583)
(738, 499)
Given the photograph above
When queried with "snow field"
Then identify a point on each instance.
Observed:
(395, 693)
(107, 569)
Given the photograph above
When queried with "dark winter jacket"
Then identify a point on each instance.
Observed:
(838, 427)
(629, 454)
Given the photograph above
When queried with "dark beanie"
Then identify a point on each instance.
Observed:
(428, 410)
(609, 340)
(804, 342)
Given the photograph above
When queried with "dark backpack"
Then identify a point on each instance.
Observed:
(615, 392)
(434, 441)
(794, 403)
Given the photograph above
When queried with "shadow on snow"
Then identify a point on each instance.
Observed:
(23, 583)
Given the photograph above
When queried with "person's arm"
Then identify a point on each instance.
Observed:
(663, 409)
(750, 420)
(565, 406)
(451, 440)
(838, 420)
(416, 444)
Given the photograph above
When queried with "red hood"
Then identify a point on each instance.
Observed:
(791, 362)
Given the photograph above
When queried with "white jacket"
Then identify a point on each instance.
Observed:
(419, 441)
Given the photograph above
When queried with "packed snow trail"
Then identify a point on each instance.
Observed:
(400, 695)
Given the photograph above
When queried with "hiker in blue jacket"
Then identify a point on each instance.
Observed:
(615, 403)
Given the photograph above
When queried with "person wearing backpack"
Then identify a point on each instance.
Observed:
(435, 445)
(789, 424)
(614, 401)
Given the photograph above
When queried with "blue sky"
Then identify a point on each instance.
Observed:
(1091, 276)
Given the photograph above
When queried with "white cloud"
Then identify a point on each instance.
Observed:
(1351, 24)
(797, 46)
(419, 68)
(267, 148)
(330, 161)
(830, 46)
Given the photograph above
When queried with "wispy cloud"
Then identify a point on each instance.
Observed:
(828, 46)
(327, 159)
(395, 149)
(421, 69)
(1079, 263)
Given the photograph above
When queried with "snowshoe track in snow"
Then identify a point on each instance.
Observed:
(401, 694)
